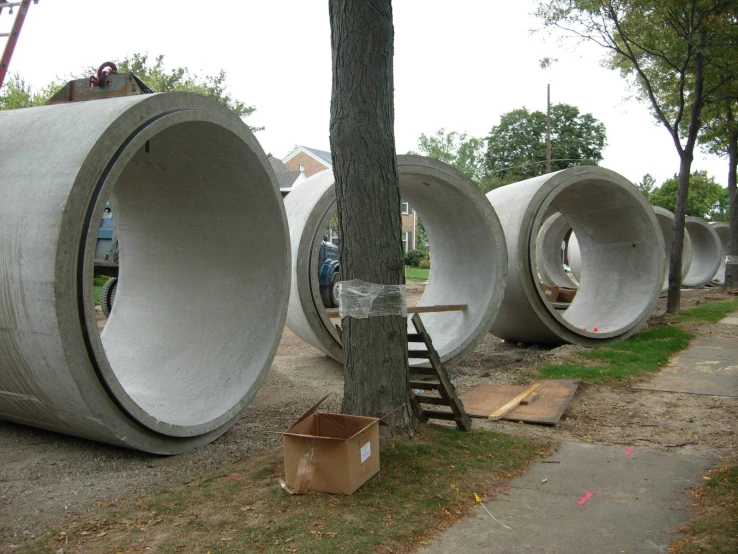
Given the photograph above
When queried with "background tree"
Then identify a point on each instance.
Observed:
(16, 93)
(706, 198)
(463, 152)
(720, 136)
(647, 184)
(368, 200)
(664, 49)
(516, 147)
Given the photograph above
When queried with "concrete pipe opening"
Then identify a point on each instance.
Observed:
(723, 232)
(666, 223)
(204, 270)
(621, 254)
(468, 251)
(552, 237)
(706, 251)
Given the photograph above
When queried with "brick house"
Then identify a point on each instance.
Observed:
(310, 161)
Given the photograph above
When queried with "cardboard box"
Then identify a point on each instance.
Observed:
(334, 453)
(558, 294)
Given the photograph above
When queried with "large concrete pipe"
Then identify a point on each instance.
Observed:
(666, 223)
(550, 253)
(468, 246)
(204, 269)
(706, 252)
(723, 232)
(622, 257)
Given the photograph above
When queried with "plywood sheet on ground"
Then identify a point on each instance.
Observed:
(708, 366)
(553, 398)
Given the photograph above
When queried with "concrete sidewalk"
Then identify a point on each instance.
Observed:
(595, 499)
(590, 498)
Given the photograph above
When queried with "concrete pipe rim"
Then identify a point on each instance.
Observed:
(722, 228)
(662, 214)
(582, 330)
(706, 250)
(219, 397)
(449, 182)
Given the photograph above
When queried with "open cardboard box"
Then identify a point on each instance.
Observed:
(327, 452)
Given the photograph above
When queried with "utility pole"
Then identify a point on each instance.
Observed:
(548, 129)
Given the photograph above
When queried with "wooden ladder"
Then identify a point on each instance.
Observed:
(442, 384)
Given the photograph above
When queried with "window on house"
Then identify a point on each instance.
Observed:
(404, 241)
(404, 207)
(302, 168)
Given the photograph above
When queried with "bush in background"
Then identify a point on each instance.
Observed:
(413, 257)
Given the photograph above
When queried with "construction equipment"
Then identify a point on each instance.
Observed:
(12, 36)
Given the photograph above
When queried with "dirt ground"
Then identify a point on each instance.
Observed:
(48, 480)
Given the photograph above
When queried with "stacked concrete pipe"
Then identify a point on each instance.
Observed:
(466, 240)
(723, 232)
(706, 252)
(666, 223)
(204, 276)
(622, 257)
(549, 253)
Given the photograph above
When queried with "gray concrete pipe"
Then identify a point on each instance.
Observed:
(622, 257)
(723, 232)
(204, 273)
(549, 253)
(467, 245)
(666, 223)
(705, 252)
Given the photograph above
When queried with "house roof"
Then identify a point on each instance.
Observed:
(321, 156)
(285, 177)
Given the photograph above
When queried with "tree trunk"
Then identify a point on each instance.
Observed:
(674, 296)
(731, 270)
(368, 200)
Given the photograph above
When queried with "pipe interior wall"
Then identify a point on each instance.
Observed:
(621, 253)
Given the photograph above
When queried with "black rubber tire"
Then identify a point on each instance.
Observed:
(107, 295)
(332, 290)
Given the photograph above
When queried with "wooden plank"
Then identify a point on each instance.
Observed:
(418, 355)
(514, 403)
(553, 398)
(334, 312)
(414, 337)
(422, 385)
(447, 416)
(419, 411)
(532, 397)
(461, 417)
(435, 400)
(422, 371)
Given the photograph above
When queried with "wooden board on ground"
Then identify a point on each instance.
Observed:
(553, 398)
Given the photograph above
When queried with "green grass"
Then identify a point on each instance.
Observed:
(642, 353)
(423, 485)
(714, 524)
(710, 312)
(97, 295)
(416, 273)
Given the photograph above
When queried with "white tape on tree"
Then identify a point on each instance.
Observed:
(359, 299)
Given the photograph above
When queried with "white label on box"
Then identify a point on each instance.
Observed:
(366, 451)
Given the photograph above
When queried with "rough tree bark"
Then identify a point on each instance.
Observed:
(686, 155)
(731, 270)
(368, 200)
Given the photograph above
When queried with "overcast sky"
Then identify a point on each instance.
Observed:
(458, 66)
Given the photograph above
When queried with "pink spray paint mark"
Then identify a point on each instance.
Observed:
(585, 498)
(629, 451)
